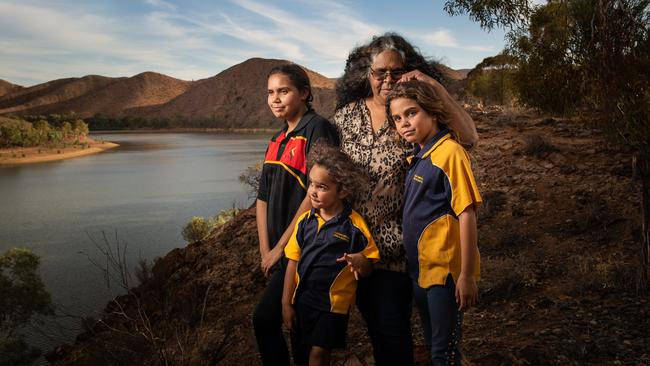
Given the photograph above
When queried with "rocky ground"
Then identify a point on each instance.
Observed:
(559, 237)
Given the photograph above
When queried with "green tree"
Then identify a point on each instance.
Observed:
(492, 79)
(584, 53)
(80, 128)
(66, 130)
(23, 295)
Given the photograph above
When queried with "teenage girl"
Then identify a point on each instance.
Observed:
(439, 218)
(282, 198)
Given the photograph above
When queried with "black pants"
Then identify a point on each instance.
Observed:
(267, 323)
(385, 302)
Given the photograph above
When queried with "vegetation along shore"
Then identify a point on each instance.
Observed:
(46, 139)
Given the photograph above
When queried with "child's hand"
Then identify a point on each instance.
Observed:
(359, 264)
(288, 316)
(271, 258)
(466, 292)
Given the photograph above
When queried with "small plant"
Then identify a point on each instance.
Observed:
(537, 146)
(251, 178)
(504, 276)
(196, 229)
(143, 271)
(493, 203)
(199, 228)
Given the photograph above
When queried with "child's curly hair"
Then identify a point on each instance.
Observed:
(341, 169)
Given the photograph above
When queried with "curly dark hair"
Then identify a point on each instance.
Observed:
(422, 93)
(341, 169)
(298, 77)
(354, 84)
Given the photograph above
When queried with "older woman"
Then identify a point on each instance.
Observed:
(384, 299)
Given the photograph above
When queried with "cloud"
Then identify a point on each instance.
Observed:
(444, 38)
(42, 43)
(161, 4)
(327, 31)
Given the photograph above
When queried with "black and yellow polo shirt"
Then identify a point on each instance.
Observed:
(283, 183)
(439, 187)
(321, 281)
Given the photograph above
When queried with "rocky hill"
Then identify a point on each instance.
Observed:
(236, 97)
(92, 95)
(7, 87)
(559, 239)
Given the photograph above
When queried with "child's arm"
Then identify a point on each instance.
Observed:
(262, 232)
(359, 264)
(288, 313)
(274, 255)
(466, 290)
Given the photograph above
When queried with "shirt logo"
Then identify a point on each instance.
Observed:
(341, 236)
(418, 179)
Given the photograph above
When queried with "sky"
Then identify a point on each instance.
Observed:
(192, 39)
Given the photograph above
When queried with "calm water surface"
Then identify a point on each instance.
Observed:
(143, 192)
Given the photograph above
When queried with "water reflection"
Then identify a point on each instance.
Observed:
(144, 191)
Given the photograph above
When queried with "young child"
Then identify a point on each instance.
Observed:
(282, 198)
(439, 218)
(331, 246)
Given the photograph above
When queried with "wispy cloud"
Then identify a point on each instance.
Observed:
(444, 38)
(43, 40)
(161, 4)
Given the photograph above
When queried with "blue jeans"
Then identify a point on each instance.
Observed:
(441, 321)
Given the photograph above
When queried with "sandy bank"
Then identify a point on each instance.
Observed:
(31, 155)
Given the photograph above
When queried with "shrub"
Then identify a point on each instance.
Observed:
(493, 203)
(23, 295)
(537, 146)
(251, 178)
(504, 276)
(199, 228)
(196, 229)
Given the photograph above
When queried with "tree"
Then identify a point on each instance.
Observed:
(23, 295)
(492, 79)
(584, 53)
(492, 13)
(80, 128)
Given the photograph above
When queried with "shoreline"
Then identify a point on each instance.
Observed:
(34, 155)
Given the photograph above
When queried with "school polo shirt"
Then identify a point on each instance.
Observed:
(321, 281)
(439, 187)
(283, 183)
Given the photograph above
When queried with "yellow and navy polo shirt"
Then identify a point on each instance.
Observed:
(439, 187)
(321, 281)
(283, 183)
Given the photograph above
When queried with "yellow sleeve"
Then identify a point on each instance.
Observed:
(370, 251)
(464, 191)
(292, 249)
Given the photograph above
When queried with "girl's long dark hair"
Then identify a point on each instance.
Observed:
(354, 84)
(298, 77)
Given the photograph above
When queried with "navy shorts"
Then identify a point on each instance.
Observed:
(321, 328)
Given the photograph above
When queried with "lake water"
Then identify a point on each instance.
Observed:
(143, 192)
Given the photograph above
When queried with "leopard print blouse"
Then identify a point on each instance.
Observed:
(382, 155)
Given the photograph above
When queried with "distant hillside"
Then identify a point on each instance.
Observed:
(7, 87)
(236, 97)
(91, 95)
(51, 92)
